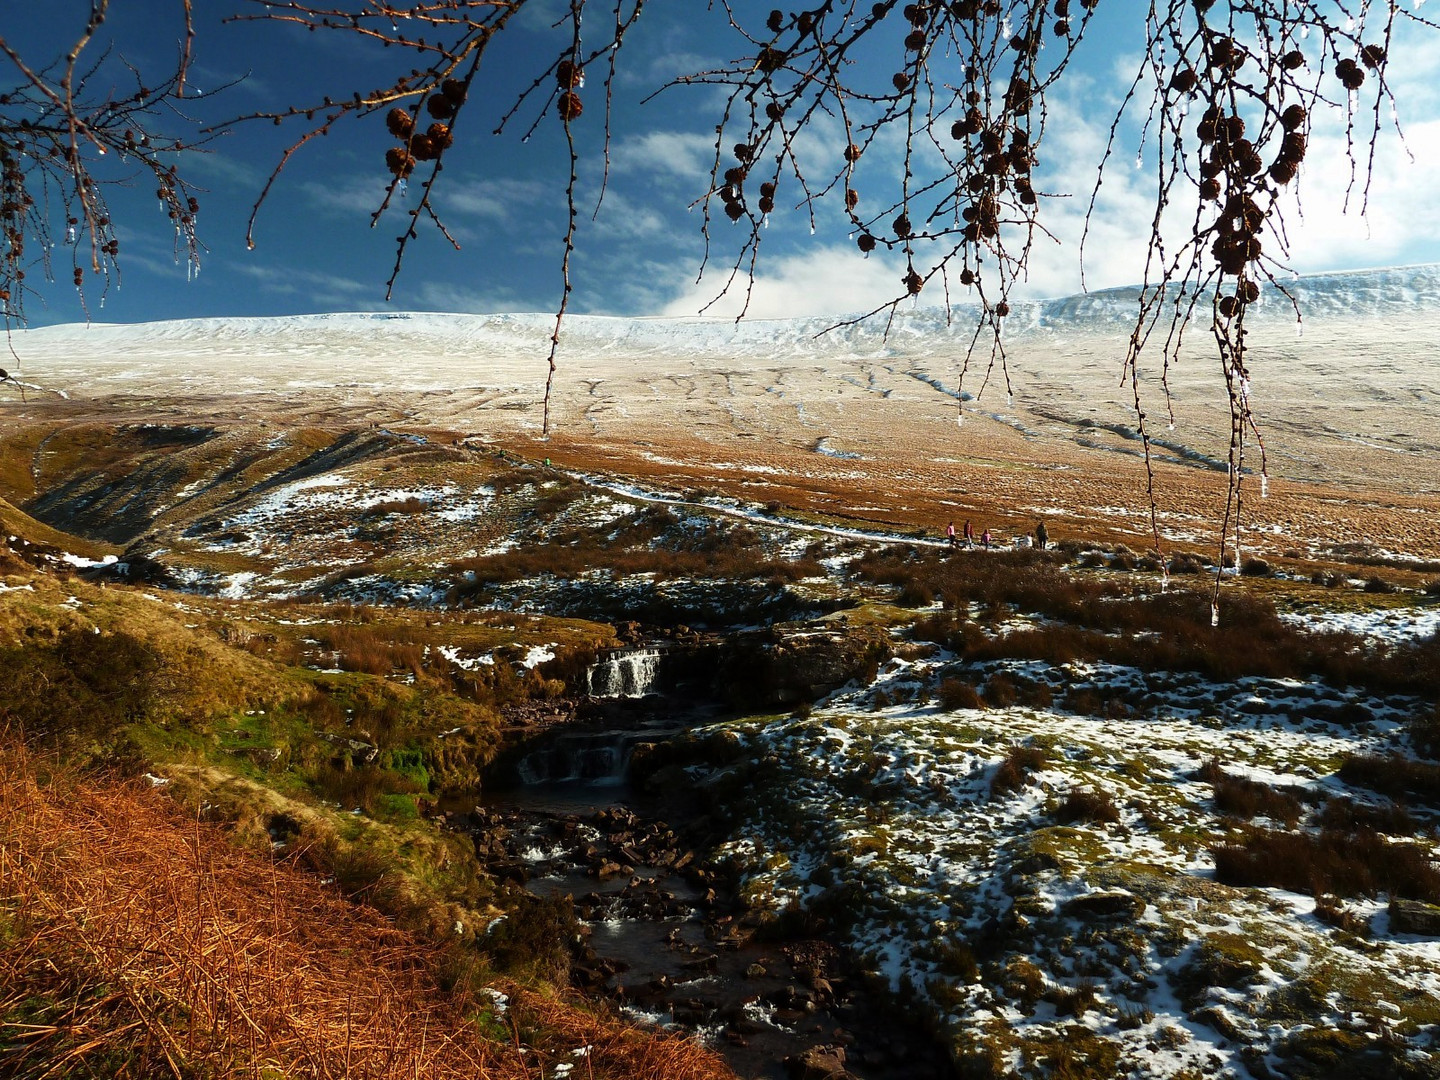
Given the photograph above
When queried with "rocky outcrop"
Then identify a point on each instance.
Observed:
(1414, 917)
(783, 666)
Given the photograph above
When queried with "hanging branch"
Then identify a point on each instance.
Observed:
(68, 131)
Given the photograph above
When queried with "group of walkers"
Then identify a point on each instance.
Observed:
(1040, 538)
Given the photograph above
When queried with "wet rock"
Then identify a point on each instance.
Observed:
(818, 1063)
(707, 964)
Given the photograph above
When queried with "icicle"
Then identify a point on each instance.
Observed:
(524, 138)
(1139, 159)
(102, 301)
(812, 230)
(1164, 577)
(1171, 425)
(1299, 329)
(1264, 485)
(1009, 400)
(1305, 30)
(1214, 613)
(70, 234)
(402, 187)
(960, 418)
(765, 222)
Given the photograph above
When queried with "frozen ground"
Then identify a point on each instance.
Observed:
(884, 816)
(851, 421)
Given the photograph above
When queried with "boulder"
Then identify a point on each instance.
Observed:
(818, 1063)
(1414, 917)
(1111, 904)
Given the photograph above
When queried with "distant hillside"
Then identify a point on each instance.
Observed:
(1352, 295)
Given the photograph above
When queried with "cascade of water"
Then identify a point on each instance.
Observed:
(596, 757)
(625, 673)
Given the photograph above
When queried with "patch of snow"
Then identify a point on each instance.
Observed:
(1391, 624)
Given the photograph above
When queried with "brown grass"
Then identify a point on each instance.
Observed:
(1244, 798)
(1104, 619)
(372, 650)
(958, 694)
(410, 505)
(1014, 771)
(1390, 819)
(1358, 863)
(134, 942)
(1329, 909)
(1396, 776)
(1085, 805)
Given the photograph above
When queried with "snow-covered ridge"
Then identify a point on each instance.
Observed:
(1353, 295)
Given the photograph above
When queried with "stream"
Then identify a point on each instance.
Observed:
(666, 938)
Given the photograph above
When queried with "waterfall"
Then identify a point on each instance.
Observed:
(594, 757)
(624, 673)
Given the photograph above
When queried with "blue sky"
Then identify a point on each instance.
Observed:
(504, 198)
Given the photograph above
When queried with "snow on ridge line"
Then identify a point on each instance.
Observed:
(1374, 294)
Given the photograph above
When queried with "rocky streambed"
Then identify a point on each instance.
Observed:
(661, 932)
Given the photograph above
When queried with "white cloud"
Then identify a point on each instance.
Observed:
(321, 289)
(348, 196)
(832, 280)
(676, 153)
(503, 200)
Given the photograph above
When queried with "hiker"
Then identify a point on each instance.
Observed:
(950, 535)
(985, 539)
(1041, 536)
(969, 534)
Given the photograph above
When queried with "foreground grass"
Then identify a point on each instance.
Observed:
(335, 766)
(135, 941)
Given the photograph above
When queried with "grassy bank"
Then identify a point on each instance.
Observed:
(138, 941)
